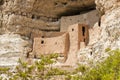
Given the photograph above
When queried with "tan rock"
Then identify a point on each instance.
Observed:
(12, 47)
(25, 16)
(56, 8)
(89, 18)
(106, 36)
(106, 5)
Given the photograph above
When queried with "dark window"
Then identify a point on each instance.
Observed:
(64, 3)
(72, 29)
(84, 40)
(90, 53)
(56, 3)
(35, 56)
(33, 16)
(83, 31)
(42, 36)
(42, 42)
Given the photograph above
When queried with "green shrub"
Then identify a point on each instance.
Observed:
(42, 70)
(107, 49)
(107, 70)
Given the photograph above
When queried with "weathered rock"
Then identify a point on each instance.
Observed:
(23, 25)
(109, 36)
(89, 18)
(12, 47)
(110, 23)
(26, 16)
(51, 8)
(106, 5)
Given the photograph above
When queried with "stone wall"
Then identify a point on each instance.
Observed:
(89, 18)
(77, 37)
(78, 33)
(59, 44)
(66, 43)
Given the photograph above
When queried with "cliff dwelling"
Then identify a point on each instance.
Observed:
(85, 35)
(48, 28)
(64, 43)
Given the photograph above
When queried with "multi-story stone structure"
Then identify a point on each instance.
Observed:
(66, 43)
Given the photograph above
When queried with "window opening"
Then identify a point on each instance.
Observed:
(83, 31)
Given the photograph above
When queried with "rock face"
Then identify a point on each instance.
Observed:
(110, 23)
(12, 47)
(89, 18)
(109, 36)
(106, 5)
(51, 8)
(25, 16)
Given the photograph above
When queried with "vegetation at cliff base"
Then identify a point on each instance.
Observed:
(107, 70)
(40, 70)
(43, 70)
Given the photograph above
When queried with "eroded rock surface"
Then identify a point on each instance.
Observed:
(24, 16)
(109, 36)
(89, 18)
(12, 47)
(51, 8)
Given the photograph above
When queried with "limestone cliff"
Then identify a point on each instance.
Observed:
(12, 47)
(25, 16)
(22, 17)
(105, 36)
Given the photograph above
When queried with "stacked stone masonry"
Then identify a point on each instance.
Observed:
(63, 43)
